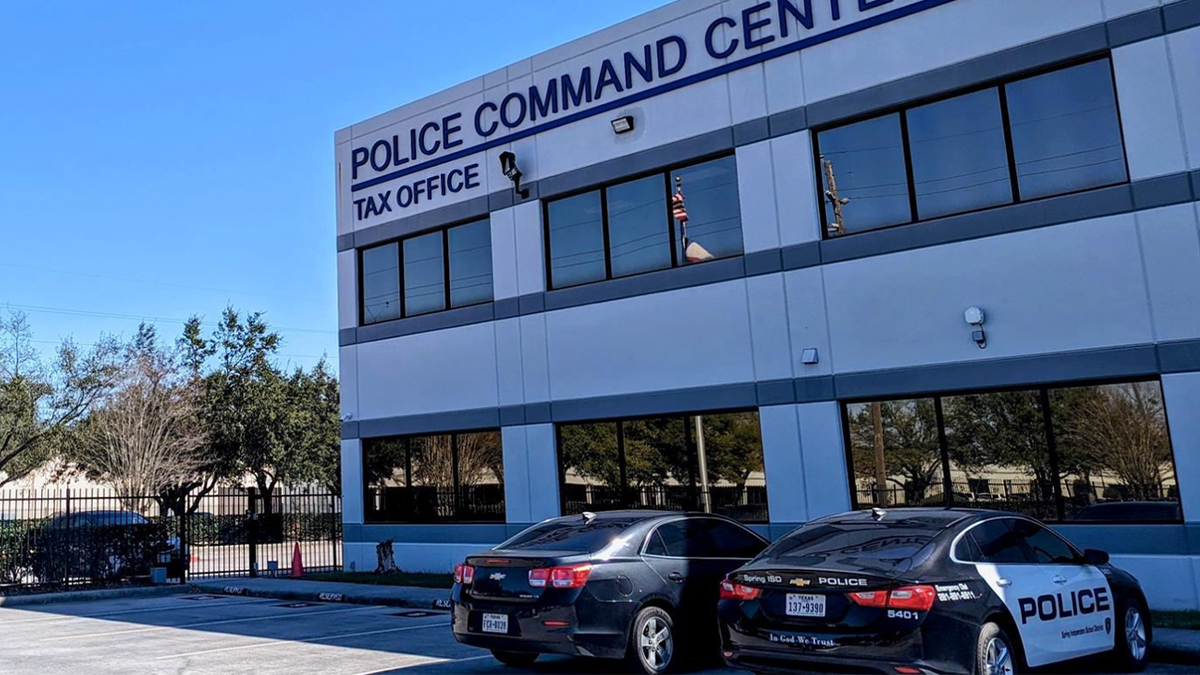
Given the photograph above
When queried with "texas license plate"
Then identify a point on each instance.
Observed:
(805, 604)
(495, 623)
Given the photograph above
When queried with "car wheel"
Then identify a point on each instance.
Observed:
(995, 652)
(518, 659)
(1132, 644)
(652, 642)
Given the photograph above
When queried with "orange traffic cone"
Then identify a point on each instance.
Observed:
(297, 563)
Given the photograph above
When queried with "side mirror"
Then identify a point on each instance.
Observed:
(1094, 556)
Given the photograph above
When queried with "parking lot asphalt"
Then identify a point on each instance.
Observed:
(216, 634)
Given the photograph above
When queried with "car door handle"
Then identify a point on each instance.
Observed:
(1058, 579)
(675, 576)
(1003, 583)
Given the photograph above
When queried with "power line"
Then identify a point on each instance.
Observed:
(151, 319)
(151, 282)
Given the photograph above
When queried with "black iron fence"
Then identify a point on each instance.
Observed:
(747, 504)
(85, 538)
(431, 504)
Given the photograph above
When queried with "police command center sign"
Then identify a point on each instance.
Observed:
(401, 168)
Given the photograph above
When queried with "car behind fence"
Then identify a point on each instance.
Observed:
(86, 538)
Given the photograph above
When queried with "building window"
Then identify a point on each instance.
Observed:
(440, 478)
(665, 463)
(430, 272)
(1029, 138)
(1071, 453)
(380, 283)
(627, 228)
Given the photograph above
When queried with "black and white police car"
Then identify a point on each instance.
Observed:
(924, 590)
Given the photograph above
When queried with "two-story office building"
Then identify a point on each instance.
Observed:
(782, 258)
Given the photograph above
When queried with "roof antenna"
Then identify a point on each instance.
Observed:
(878, 513)
(588, 516)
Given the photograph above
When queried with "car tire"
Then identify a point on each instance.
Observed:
(651, 647)
(1131, 648)
(995, 652)
(516, 659)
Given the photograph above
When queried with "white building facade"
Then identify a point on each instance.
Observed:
(510, 356)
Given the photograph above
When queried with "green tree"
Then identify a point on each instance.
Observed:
(39, 405)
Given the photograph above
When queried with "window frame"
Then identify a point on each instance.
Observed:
(456, 478)
(998, 83)
(693, 487)
(602, 188)
(959, 537)
(399, 241)
(1043, 392)
(706, 516)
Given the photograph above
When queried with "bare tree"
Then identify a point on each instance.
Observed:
(39, 404)
(147, 436)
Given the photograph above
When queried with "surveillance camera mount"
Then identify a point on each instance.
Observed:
(508, 166)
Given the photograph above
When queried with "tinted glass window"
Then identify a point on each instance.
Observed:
(381, 283)
(424, 274)
(1046, 546)
(731, 541)
(959, 157)
(639, 240)
(686, 539)
(966, 550)
(867, 162)
(470, 263)
(652, 463)
(999, 453)
(1114, 446)
(655, 545)
(896, 455)
(412, 479)
(576, 240)
(1065, 132)
(570, 535)
(710, 193)
(865, 546)
(998, 543)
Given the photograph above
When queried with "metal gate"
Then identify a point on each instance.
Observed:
(244, 532)
(53, 540)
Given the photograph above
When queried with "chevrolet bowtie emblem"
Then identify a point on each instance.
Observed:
(799, 582)
(498, 576)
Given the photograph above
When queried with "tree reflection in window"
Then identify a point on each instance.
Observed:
(897, 460)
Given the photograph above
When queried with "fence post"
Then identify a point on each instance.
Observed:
(335, 517)
(185, 545)
(252, 529)
(70, 543)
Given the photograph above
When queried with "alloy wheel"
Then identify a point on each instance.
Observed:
(1135, 633)
(998, 658)
(655, 643)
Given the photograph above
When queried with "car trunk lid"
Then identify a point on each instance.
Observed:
(504, 575)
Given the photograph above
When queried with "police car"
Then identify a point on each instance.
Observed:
(915, 591)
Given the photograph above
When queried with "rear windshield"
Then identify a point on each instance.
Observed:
(570, 535)
(866, 546)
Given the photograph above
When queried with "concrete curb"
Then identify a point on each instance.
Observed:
(1173, 645)
(357, 598)
(86, 596)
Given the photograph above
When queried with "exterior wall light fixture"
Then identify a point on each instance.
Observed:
(623, 124)
(508, 165)
(974, 316)
(809, 356)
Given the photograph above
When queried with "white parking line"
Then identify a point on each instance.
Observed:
(425, 662)
(160, 608)
(277, 617)
(285, 641)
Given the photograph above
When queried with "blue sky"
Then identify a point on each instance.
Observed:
(161, 159)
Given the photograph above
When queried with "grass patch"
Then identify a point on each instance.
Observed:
(420, 579)
(1184, 619)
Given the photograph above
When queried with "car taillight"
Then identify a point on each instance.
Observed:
(912, 597)
(566, 576)
(463, 574)
(571, 576)
(731, 590)
(907, 597)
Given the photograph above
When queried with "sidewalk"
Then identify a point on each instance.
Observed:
(329, 591)
(1173, 645)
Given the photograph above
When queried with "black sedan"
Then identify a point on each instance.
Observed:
(915, 591)
(620, 584)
